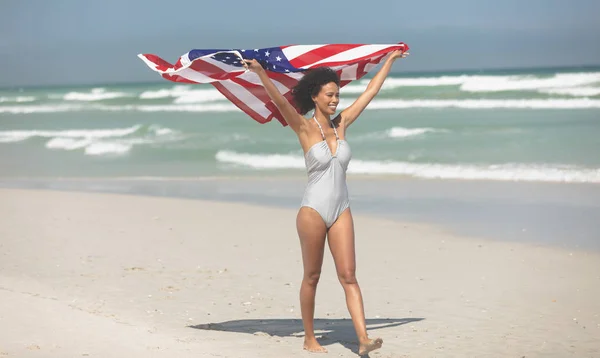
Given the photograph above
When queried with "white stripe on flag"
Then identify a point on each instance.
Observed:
(370, 66)
(254, 79)
(185, 60)
(351, 54)
(193, 75)
(297, 50)
(349, 73)
(150, 64)
(295, 75)
(247, 98)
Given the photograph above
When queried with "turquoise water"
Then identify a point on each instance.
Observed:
(530, 125)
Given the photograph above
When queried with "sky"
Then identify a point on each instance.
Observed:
(75, 42)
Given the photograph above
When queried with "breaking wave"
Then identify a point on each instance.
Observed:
(504, 172)
(115, 141)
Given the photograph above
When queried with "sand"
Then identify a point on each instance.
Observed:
(103, 275)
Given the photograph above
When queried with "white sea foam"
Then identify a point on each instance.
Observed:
(359, 87)
(60, 108)
(185, 95)
(56, 108)
(160, 130)
(200, 96)
(554, 103)
(68, 143)
(505, 172)
(97, 142)
(580, 103)
(431, 81)
(392, 83)
(573, 91)
(96, 94)
(18, 99)
(216, 107)
(176, 91)
(107, 148)
(400, 132)
(529, 83)
(261, 161)
(13, 136)
(561, 83)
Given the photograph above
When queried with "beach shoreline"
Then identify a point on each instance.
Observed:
(113, 275)
(556, 214)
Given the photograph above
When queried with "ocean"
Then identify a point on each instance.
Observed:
(534, 126)
(529, 126)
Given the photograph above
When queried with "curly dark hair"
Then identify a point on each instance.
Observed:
(310, 85)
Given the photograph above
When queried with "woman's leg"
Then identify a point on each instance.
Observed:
(311, 231)
(341, 244)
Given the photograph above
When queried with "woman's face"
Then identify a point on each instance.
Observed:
(328, 98)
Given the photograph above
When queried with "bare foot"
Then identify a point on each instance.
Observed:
(369, 346)
(313, 346)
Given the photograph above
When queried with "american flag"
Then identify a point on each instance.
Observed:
(285, 65)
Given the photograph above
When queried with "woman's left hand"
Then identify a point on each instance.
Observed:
(398, 54)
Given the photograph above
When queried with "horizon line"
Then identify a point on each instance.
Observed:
(423, 72)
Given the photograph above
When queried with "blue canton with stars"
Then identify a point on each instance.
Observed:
(271, 58)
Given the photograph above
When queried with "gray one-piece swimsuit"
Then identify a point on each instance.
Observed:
(326, 191)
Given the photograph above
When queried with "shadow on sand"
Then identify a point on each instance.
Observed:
(332, 330)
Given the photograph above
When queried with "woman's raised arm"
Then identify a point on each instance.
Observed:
(351, 113)
(290, 115)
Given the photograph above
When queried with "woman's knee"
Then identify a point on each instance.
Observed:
(347, 277)
(312, 278)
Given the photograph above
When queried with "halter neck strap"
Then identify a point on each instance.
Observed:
(321, 128)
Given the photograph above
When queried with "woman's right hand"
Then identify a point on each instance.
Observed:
(253, 65)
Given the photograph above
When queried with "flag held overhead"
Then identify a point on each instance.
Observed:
(285, 65)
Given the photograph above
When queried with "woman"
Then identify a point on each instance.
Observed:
(325, 210)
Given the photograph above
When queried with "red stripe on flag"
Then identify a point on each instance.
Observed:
(158, 62)
(358, 59)
(360, 71)
(371, 55)
(178, 64)
(213, 71)
(282, 78)
(320, 53)
(176, 78)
